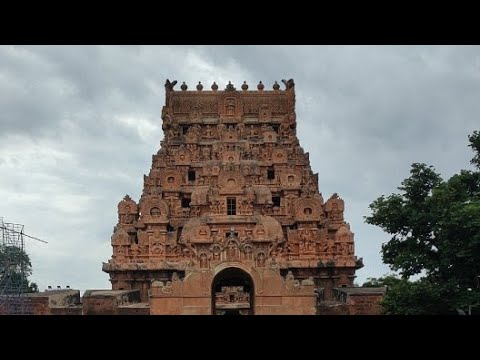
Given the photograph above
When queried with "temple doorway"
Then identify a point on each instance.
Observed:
(232, 293)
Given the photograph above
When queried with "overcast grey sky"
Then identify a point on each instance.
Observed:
(79, 124)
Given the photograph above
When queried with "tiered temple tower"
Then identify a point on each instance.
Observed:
(231, 219)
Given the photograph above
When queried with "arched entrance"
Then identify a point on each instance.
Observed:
(232, 292)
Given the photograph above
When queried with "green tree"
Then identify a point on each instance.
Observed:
(389, 281)
(15, 268)
(435, 233)
(407, 297)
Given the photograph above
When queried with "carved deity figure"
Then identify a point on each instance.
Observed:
(221, 130)
(248, 253)
(196, 129)
(232, 251)
(255, 153)
(240, 130)
(208, 132)
(206, 153)
(203, 261)
(174, 130)
(126, 219)
(261, 259)
(284, 129)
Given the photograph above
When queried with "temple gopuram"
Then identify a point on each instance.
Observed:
(231, 219)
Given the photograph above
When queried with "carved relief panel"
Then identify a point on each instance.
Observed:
(279, 156)
(153, 209)
(230, 135)
(260, 233)
(230, 107)
(199, 195)
(231, 181)
(209, 132)
(171, 180)
(157, 248)
(196, 110)
(231, 157)
(182, 156)
(264, 112)
(192, 137)
(201, 234)
(269, 136)
(263, 194)
(120, 238)
(344, 244)
(307, 239)
(334, 208)
(252, 131)
(245, 206)
(290, 178)
(308, 209)
(127, 211)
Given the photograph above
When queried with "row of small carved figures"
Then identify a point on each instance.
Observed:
(174, 130)
(288, 85)
(206, 153)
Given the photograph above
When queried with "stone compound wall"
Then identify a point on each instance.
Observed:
(111, 302)
(274, 295)
(94, 302)
(353, 301)
(365, 304)
(55, 302)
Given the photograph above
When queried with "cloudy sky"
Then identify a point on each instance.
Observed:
(79, 124)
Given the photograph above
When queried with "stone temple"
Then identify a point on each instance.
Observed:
(231, 219)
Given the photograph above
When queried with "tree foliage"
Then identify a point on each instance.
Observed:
(405, 297)
(435, 233)
(389, 281)
(15, 268)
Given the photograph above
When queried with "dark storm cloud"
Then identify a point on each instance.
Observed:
(79, 124)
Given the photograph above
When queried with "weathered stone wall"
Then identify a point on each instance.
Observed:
(25, 305)
(333, 309)
(142, 309)
(353, 301)
(365, 304)
(107, 302)
(56, 302)
(78, 310)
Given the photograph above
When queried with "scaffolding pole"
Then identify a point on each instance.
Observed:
(14, 270)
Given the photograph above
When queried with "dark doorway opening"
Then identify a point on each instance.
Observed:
(232, 293)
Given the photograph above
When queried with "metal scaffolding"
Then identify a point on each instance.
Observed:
(14, 269)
